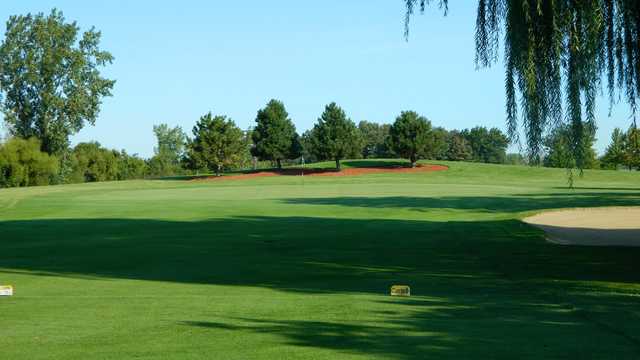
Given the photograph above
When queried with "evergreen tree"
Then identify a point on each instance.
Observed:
(217, 143)
(632, 148)
(411, 136)
(274, 135)
(335, 136)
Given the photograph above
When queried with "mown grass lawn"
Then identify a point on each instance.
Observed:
(300, 268)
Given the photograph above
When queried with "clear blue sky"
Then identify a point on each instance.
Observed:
(176, 60)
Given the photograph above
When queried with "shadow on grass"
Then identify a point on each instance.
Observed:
(514, 204)
(302, 253)
(481, 289)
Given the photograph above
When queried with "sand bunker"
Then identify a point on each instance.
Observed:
(327, 172)
(608, 226)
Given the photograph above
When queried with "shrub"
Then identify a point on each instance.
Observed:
(23, 164)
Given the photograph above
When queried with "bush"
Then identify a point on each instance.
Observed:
(91, 162)
(23, 164)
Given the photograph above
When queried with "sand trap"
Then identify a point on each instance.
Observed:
(608, 226)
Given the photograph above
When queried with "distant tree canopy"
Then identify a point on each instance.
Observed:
(23, 164)
(458, 149)
(375, 139)
(168, 153)
(274, 136)
(487, 145)
(90, 162)
(558, 149)
(624, 150)
(558, 52)
(334, 136)
(50, 79)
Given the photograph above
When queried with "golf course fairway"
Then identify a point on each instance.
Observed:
(291, 267)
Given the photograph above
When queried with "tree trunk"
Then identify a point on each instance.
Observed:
(279, 164)
(338, 164)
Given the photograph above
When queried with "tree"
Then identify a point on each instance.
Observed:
(555, 52)
(632, 148)
(459, 149)
(94, 163)
(411, 136)
(487, 145)
(558, 149)
(439, 144)
(217, 143)
(23, 164)
(169, 151)
(335, 136)
(51, 80)
(274, 134)
(129, 166)
(375, 139)
(615, 153)
(307, 141)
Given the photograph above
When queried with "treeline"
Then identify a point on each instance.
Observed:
(217, 144)
(22, 163)
(622, 153)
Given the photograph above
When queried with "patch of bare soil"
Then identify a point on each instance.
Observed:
(607, 226)
(327, 172)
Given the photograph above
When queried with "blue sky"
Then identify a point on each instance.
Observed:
(176, 60)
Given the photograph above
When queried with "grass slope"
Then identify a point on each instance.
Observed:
(299, 268)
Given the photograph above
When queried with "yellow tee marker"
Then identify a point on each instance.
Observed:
(400, 290)
(6, 290)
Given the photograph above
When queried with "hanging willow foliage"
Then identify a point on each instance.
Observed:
(558, 54)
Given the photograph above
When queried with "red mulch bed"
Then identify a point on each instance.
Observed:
(327, 172)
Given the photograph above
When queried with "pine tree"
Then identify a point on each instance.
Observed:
(217, 143)
(411, 136)
(335, 136)
(274, 135)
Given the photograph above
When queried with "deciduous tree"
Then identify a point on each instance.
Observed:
(487, 145)
(168, 153)
(23, 164)
(557, 53)
(51, 79)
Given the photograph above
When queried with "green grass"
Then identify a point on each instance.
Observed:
(300, 268)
